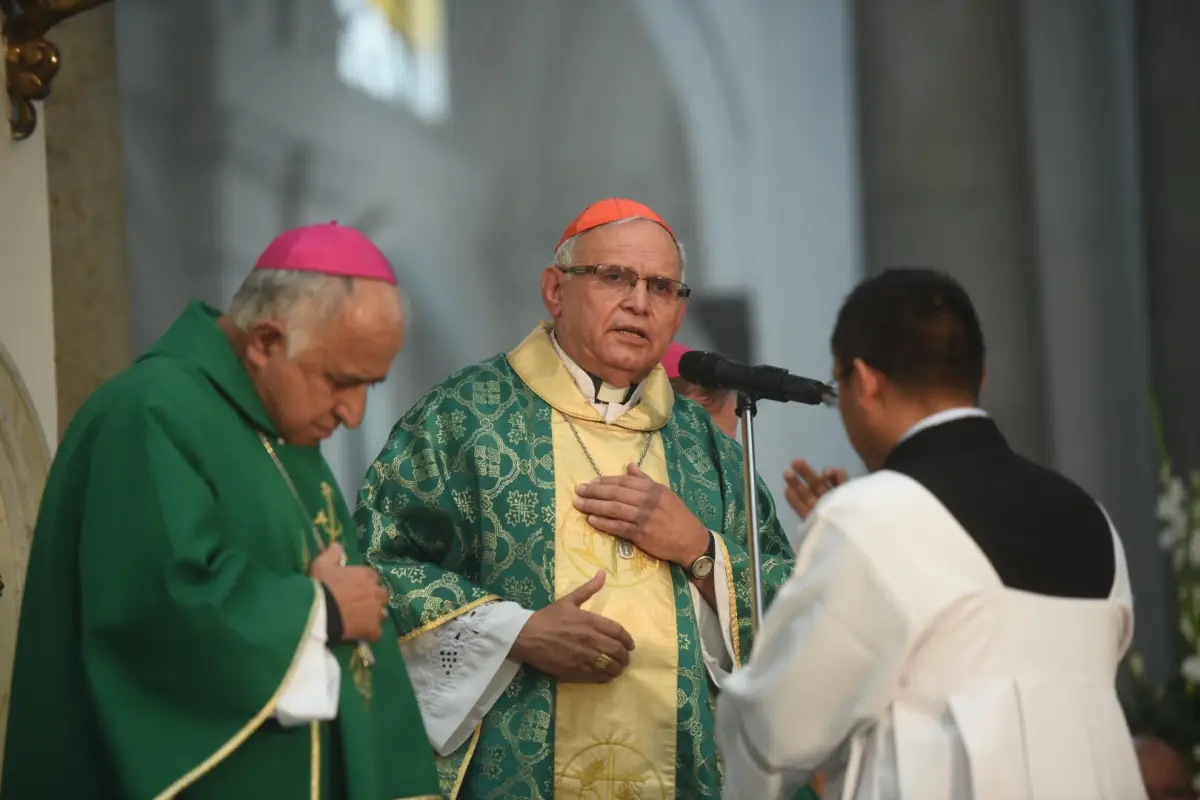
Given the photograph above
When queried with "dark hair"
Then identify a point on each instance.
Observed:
(916, 326)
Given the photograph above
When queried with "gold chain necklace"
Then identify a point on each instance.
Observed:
(625, 547)
(364, 649)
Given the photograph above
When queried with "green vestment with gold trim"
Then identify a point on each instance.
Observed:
(167, 601)
(460, 509)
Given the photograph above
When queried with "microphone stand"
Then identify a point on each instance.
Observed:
(747, 407)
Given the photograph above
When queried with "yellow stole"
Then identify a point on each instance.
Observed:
(611, 740)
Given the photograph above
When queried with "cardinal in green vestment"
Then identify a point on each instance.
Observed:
(565, 543)
(197, 620)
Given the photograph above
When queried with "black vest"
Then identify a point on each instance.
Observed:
(1041, 532)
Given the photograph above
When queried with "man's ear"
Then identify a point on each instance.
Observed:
(552, 288)
(263, 339)
(870, 381)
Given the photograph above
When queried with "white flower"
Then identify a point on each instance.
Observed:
(1191, 669)
(1172, 503)
(1138, 667)
(1172, 511)
(1169, 537)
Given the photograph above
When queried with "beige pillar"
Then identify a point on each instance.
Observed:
(28, 390)
(64, 294)
(85, 170)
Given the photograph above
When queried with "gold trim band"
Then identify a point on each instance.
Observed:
(462, 768)
(734, 637)
(205, 766)
(315, 770)
(440, 621)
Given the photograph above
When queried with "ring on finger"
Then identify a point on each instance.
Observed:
(602, 662)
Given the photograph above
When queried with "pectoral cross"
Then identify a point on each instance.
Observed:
(327, 519)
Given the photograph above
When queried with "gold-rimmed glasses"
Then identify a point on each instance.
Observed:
(624, 278)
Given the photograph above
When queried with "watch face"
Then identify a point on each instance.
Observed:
(703, 567)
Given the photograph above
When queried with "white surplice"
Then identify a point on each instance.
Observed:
(459, 669)
(896, 662)
(313, 691)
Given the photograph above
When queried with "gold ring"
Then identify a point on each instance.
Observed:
(602, 662)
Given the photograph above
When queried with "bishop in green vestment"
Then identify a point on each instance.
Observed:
(565, 542)
(182, 632)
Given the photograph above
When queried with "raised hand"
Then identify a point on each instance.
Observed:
(805, 485)
(571, 644)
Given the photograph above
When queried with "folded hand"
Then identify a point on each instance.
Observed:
(361, 599)
(638, 508)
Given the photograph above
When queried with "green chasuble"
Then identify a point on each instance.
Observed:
(167, 601)
(460, 509)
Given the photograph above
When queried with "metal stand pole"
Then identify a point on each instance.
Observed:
(746, 409)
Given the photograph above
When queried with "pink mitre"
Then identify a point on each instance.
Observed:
(330, 249)
(670, 361)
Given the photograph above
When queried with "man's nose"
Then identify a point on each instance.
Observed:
(638, 297)
(352, 407)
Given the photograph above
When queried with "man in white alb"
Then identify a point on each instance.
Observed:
(954, 622)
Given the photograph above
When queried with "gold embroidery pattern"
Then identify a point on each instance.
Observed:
(619, 739)
(459, 508)
(360, 673)
(332, 527)
(734, 634)
(591, 550)
(327, 519)
(611, 770)
(327, 522)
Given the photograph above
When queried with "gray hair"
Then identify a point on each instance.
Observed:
(303, 301)
(564, 256)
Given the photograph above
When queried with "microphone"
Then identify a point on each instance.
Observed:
(714, 371)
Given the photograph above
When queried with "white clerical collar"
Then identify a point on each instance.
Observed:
(942, 417)
(610, 402)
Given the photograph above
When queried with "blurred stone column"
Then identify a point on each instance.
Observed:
(944, 164)
(1081, 83)
(1169, 54)
(85, 170)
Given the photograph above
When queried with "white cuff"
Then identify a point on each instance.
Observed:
(716, 642)
(312, 692)
(461, 668)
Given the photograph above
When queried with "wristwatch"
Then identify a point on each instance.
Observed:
(702, 567)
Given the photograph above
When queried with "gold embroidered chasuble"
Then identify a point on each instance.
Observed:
(619, 734)
(472, 500)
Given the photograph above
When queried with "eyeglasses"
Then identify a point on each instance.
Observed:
(625, 278)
